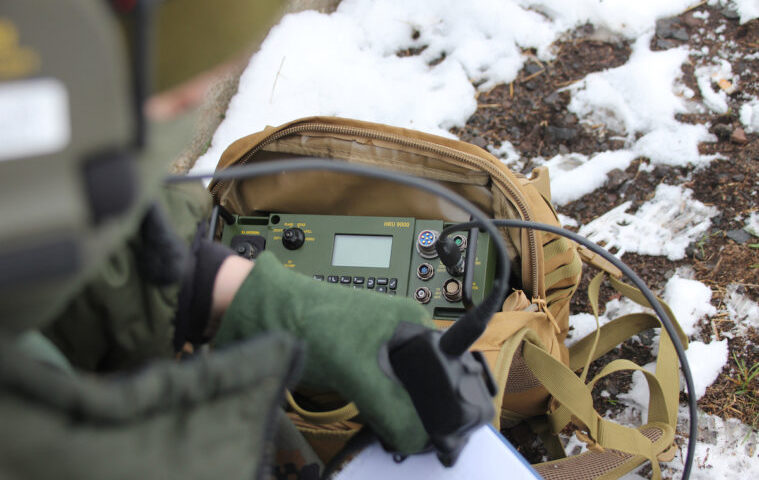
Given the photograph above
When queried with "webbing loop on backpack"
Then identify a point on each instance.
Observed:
(593, 289)
(543, 307)
(341, 414)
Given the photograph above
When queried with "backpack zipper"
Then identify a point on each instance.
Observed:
(515, 196)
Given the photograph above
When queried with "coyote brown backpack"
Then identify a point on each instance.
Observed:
(540, 380)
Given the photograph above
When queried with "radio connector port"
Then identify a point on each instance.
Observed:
(423, 295)
(452, 290)
(425, 243)
(425, 271)
(460, 241)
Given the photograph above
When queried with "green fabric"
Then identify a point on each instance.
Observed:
(210, 417)
(119, 321)
(344, 330)
(40, 347)
(292, 451)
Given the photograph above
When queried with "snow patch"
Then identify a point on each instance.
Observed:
(508, 155)
(725, 450)
(706, 361)
(709, 75)
(752, 224)
(747, 9)
(575, 175)
(630, 99)
(750, 116)
(675, 145)
(743, 312)
(689, 301)
(665, 225)
(628, 18)
(566, 221)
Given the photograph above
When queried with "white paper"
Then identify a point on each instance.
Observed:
(487, 455)
(34, 118)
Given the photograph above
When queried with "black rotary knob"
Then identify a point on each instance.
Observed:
(293, 238)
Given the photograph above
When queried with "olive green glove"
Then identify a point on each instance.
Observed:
(344, 330)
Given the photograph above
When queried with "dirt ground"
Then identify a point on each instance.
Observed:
(531, 113)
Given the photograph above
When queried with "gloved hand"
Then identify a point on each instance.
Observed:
(192, 323)
(344, 330)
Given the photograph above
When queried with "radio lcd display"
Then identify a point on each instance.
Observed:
(362, 251)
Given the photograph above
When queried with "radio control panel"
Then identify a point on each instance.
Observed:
(384, 255)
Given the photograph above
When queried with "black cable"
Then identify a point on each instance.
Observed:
(141, 68)
(468, 328)
(652, 300)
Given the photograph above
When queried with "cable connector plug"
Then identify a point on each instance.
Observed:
(450, 255)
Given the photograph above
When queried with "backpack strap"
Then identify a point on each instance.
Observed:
(341, 414)
(596, 260)
(651, 442)
(576, 400)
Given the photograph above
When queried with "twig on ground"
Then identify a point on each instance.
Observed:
(695, 6)
(530, 77)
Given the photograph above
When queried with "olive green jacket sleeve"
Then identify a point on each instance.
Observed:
(212, 417)
(120, 320)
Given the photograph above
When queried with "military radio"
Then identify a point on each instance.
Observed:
(386, 255)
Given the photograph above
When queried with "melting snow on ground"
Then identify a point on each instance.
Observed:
(665, 225)
(726, 450)
(741, 310)
(574, 175)
(630, 100)
(347, 64)
(717, 74)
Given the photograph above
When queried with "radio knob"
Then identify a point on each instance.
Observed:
(293, 238)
